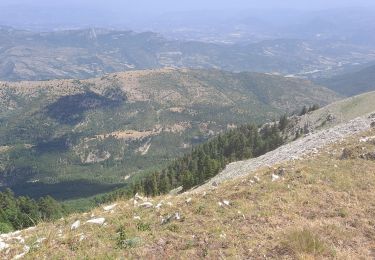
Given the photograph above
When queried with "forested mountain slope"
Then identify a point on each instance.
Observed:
(353, 83)
(73, 138)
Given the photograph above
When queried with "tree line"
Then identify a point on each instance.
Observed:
(22, 212)
(208, 159)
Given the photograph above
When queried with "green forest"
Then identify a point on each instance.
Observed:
(22, 212)
(207, 160)
(202, 163)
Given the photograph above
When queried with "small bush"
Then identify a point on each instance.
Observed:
(143, 227)
(173, 228)
(5, 228)
(305, 242)
(124, 242)
(343, 213)
(200, 210)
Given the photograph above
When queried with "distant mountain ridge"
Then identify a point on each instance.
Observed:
(87, 53)
(353, 83)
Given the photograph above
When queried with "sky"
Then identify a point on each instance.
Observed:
(183, 5)
(140, 14)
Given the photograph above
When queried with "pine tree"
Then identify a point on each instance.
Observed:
(283, 122)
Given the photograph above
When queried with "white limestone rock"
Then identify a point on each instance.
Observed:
(96, 221)
(75, 225)
(110, 207)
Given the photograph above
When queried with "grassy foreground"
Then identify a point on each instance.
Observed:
(320, 207)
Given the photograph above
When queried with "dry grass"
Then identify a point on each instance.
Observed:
(323, 207)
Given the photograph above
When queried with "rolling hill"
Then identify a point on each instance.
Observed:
(353, 83)
(76, 138)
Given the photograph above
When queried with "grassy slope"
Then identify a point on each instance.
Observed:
(322, 208)
(195, 103)
(339, 112)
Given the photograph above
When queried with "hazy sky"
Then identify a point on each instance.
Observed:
(142, 14)
(178, 5)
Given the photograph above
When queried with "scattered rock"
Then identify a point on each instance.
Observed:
(159, 205)
(167, 219)
(177, 216)
(368, 156)
(224, 203)
(97, 221)
(331, 118)
(30, 229)
(3, 246)
(26, 249)
(75, 225)
(347, 154)
(214, 184)
(110, 207)
(40, 240)
(176, 191)
(146, 205)
(223, 235)
(275, 177)
(280, 171)
(137, 218)
(188, 201)
(137, 197)
(20, 239)
(82, 237)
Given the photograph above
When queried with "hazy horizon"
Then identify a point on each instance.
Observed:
(170, 5)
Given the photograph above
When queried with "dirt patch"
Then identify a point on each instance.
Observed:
(4, 149)
(129, 134)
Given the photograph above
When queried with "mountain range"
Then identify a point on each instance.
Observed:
(87, 53)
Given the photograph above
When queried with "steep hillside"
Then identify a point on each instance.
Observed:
(321, 127)
(26, 55)
(354, 83)
(320, 205)
(76, 138)
(310, 144)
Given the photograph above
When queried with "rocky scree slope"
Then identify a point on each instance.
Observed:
(322, 127)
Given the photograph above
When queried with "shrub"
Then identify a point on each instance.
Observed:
(143, 227)
(306, 242)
